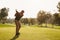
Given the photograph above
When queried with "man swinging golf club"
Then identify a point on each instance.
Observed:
(18, 16)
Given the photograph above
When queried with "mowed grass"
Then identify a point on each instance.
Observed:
(29, 33)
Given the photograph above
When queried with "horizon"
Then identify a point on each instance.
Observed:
(31, 7)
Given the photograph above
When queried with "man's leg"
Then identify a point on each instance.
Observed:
(17, 27)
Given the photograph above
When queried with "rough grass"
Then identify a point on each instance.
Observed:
(30, 33)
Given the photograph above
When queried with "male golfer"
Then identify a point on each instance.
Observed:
(18, 16)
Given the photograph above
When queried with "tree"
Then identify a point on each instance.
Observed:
(57, 15)
(58, 6)
(47, 18)
(57, 18)
(32, 21)
(41, 17)
(24, 21)
(4, 14)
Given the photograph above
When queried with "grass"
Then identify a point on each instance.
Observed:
(29, 33)
(7, 25)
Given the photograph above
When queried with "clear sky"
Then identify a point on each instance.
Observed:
(31, 7)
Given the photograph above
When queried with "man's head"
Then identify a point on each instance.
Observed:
(22, 11)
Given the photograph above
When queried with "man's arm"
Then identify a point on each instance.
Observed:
(16, 13)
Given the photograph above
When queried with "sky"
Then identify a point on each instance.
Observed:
(31, 7)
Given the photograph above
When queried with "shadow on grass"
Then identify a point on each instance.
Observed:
(15, 37)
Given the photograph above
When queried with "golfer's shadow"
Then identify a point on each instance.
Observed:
(15, 37)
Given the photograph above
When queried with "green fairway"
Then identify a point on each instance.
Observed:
(30, 33)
